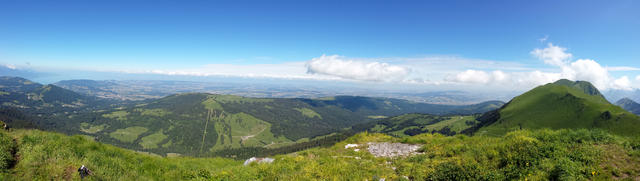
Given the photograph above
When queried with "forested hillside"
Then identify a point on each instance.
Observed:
(197, 123)
(203, 124)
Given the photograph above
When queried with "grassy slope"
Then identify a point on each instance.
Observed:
(531, 155)
(559, 106)
(53, 156)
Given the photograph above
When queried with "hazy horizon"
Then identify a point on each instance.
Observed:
(488, 46)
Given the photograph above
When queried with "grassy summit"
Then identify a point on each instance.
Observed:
(563, 104)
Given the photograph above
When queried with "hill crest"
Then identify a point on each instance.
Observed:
(562, 104)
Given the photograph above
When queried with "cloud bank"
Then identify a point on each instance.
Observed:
(447, 72)
(555, 56)
(337, 66)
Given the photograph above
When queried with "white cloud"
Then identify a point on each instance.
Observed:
(622, 83)
(538, 78)
(499, 76)
(445, 71)
(622, 68)
(588, 70)
(543, 39)
(9, 66)
(291, 70)
(581, 69)
(471, 76)
(337, 66)
(552, 55)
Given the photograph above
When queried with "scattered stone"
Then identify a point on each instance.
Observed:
(258, 160)
(386, 149)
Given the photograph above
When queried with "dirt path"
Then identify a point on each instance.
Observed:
(244, 138)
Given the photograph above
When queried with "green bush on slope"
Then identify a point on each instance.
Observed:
(533, 155)
(7, 149)
(53, 156)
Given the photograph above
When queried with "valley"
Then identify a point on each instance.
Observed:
(169, 132)
(276, 90)
(202, 124)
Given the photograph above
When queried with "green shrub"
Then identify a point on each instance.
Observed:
(7, 150)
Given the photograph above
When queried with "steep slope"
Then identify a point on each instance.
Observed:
(563, 104)
(629, 105)
(40, 155)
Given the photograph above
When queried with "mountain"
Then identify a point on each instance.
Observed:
(616, 94)
(562, 104)
(33, 97)
(629, 105)
(202, 123)
(198, 123)
(415, 123)
(27, 104)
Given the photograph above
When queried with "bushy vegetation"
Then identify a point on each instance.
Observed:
(53, 156)
(7, 151)
(520, 155)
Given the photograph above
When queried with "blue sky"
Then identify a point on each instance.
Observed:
(282, 38)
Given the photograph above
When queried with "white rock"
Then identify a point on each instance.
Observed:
(258, 160)
(350, 146)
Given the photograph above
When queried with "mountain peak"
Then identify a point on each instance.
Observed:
(629, 105)
(560, 105)
(625, 100)
(583, 86)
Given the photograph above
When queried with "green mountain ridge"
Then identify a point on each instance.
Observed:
(196, 123)
(201, 124)
(558, 105)
(414, 124)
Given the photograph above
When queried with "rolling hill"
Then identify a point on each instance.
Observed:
(562, 104)
(45, 101)
(629, 105)
(414, 123)
(202, 123)
(197, 123)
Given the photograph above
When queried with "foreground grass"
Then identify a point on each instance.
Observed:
(519, 155)
(52, 156)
